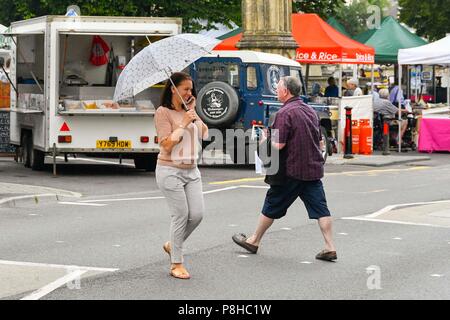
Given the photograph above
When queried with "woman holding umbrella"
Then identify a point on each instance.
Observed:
(180, 131)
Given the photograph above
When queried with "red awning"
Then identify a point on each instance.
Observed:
(229, 43)
(318, 43)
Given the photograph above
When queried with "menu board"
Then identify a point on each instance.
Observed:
(5, 146)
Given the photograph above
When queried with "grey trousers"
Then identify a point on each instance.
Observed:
(184, 194)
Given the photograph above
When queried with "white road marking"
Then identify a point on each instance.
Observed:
(33, 214)
(343, 234)
(83, 204)
(59, 241)
(124, 199)
(395, 222)
(380, 212)
(33, 264)
(242, 256)
(152, 198)
(397, 238)
(235, 225)
(286, 229)
(220, 190)
(36, 295)
(435, 275)
(59, 282)
(117, 245)
(361, 173)
(254, 187)
(306, 262)
(371, 217)
(99, 161)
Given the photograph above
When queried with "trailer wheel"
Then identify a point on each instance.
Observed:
(146, 162)
(37, 160)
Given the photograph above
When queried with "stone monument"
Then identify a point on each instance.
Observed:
(267, 27)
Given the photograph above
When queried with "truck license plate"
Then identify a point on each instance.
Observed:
(106, 144)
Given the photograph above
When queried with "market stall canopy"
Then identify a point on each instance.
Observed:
(229, 43)
(338, 26)
(389, 39)
(321, 44)
(318, 43)
(230, 34)
(434, 53)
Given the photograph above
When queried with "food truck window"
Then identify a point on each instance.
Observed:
(252, 80)
(30, 71)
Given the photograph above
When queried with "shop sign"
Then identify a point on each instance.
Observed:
(317, 56)
(367, 57)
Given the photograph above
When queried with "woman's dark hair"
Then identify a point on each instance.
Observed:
(177, 78)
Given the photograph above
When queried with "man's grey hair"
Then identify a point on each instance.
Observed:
(353, 81)
(292, 84)
(384, 93)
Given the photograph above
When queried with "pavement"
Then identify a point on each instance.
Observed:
(12, 195)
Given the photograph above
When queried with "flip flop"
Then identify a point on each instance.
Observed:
(241, 240)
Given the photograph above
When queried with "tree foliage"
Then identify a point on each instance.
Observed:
(355, 15)
(324, 8)
(431, 19)
(192, 11)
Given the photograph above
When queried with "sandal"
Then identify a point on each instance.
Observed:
(180, 273)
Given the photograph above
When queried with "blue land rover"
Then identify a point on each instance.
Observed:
(237, 90)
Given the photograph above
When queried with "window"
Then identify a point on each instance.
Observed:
(295, 73)
(218, 71)
(252, 80)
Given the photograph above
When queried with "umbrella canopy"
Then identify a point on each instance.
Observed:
(318, 43)
(434, 53)
(157, 61)
(389, 39)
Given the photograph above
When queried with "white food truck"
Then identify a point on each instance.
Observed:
(65, 70)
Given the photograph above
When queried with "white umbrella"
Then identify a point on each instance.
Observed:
(156, 62)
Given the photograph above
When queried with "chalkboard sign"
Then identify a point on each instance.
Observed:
(5, 147)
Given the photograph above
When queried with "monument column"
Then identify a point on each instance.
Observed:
(267, 27)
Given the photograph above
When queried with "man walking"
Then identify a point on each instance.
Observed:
(297, 136)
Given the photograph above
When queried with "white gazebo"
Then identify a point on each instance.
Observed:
(434, 53)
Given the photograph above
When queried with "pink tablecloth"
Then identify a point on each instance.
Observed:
(434, 135)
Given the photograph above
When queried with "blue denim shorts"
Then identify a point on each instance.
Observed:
(280, 197)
